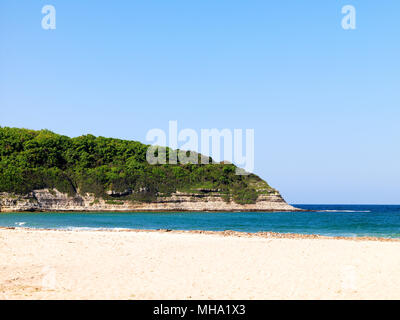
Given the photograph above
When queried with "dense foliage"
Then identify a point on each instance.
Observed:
(32, 160)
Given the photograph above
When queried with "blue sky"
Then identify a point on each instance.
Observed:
(324, 102)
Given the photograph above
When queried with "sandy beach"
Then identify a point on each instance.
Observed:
(46, 264)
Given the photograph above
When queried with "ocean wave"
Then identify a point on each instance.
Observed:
(81, 228)
(350, 211)
(20, 223)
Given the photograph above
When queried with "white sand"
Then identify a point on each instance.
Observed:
(151, 265)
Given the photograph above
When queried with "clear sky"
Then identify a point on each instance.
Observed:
(324, 102)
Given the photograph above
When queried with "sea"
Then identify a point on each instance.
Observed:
(328, 220)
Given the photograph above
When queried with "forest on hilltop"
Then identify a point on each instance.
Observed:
(32, 160)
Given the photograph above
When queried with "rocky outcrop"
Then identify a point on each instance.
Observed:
(52, 200)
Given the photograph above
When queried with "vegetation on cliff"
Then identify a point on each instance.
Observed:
(109, 168)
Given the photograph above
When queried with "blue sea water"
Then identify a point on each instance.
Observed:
(330, 220)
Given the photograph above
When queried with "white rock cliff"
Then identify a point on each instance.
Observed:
(53, 200)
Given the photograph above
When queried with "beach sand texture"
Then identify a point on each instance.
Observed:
(45, 264)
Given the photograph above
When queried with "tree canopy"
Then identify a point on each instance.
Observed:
(31, 160)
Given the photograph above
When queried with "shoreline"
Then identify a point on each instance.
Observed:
(226, 233)
(157, 211)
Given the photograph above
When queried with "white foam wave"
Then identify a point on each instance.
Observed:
(20, 223)
(351, 211)
(81, 229)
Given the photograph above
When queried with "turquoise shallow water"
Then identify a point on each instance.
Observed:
(330, 220)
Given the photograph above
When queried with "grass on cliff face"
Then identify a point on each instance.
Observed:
(31, 160)
(113, 202)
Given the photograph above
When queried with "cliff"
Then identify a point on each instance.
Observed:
(46, 200)
(45, 171)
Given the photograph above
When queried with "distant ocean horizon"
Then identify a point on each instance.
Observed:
(328, 220)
